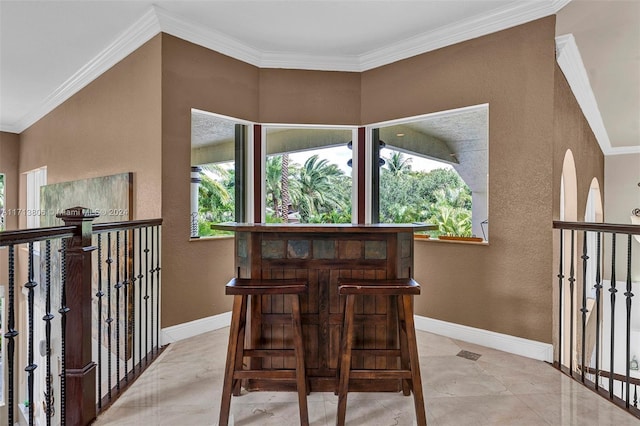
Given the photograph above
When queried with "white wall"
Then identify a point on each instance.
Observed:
(621, 196)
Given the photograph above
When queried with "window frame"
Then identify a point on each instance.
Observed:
(373, 216)
(354, 161)
(243, 148)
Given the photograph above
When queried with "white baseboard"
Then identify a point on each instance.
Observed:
(193, 328)
(503, 342)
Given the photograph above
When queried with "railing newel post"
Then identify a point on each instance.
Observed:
(80, 370)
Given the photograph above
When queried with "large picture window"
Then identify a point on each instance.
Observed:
(218, 171)
(308, 175)
(434, 168)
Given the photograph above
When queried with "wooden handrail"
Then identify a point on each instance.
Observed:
(121, 226)
(23, 236)
(598, 227)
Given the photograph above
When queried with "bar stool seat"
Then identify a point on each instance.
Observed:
(241, 288)
(403, 291)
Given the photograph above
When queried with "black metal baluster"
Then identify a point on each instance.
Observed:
(152, 273)
(572, 280)
(99, 295)
(47, 318)
(140, 276)
(635, 395)
(10, 335)
(613, 291)
(109, 320)
(560, 298)
(598, 287)
(117, 287)
(158, 285)
(583, 309)
(629, 295)
(30, 368)
(63, 330)
(132, 297)
(146, 295)
(126, 306)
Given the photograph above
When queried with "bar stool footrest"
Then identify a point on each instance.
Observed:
(380, 374)
(377, 352)
(265, 374)
(264, 353)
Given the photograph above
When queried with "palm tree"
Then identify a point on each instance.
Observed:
(284, 187)
(273, 172)
(315, 189)
(397, 163)
(449, 212)
(213, 197)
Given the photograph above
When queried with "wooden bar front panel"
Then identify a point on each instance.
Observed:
(321, 258)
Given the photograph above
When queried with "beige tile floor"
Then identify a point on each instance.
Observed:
(183, 388)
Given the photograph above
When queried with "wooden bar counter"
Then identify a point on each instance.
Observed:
(322, 253)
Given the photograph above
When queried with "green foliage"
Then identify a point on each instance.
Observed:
(216, 198)
(273, 174)
(439, 196)
(397, 163)
(1, 191)
(319, 191)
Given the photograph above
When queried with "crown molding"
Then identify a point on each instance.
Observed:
(500, 19)
(570, 62)
(310, 62)
(467, 29)
(624, 150)
(157, 19)
(186, 30)
(131, 39)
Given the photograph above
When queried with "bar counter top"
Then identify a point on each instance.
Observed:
(324, 227)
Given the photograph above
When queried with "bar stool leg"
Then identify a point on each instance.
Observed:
(237, 383)
(232, 349)
(301, 376)
(416, 380)
(345, 359)
(404, 347)
(340, 347)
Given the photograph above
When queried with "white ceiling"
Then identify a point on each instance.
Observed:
(50, 49)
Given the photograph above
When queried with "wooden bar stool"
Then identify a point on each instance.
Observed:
(403, 291)
(241, 288)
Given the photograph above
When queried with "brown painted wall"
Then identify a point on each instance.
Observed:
(194, 273)
(309, 97)
(502, 287)
(110, 126)
(9, 159)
